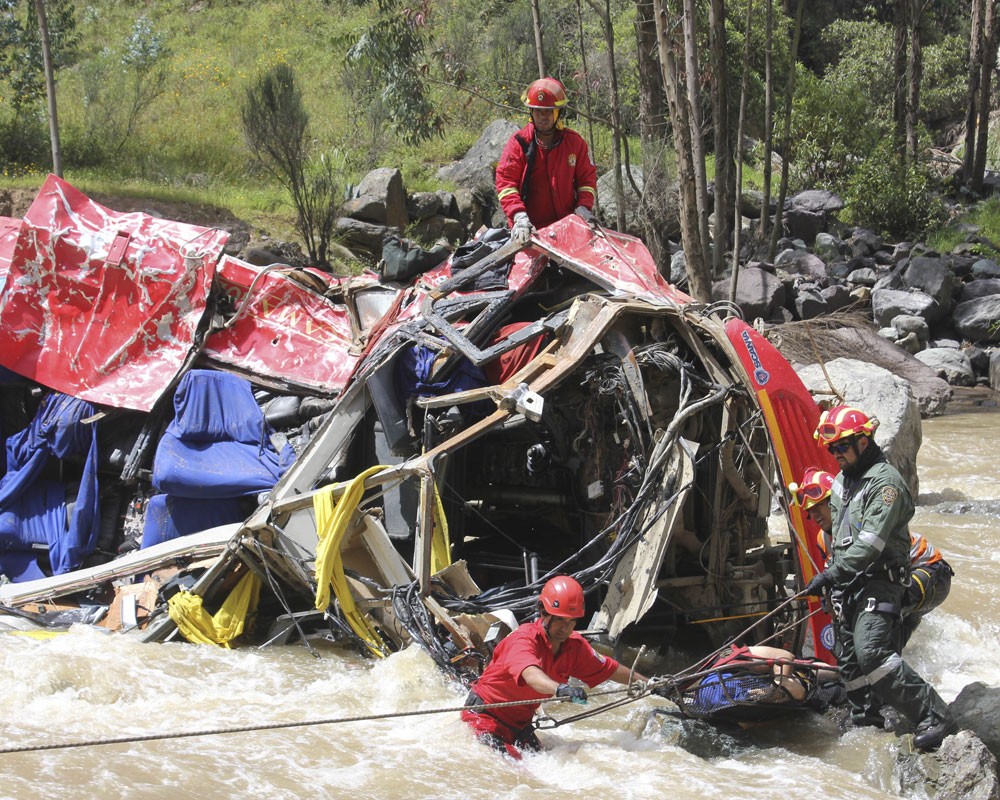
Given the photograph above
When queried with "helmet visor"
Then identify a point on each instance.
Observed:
(811, 491)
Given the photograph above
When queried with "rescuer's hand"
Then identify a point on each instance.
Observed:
(584, 213)
(574, 693)
(816, 586)
(522, 229)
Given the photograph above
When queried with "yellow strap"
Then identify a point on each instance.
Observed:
(332, 518)
(506, 192)
(441, 543)
(200, 627)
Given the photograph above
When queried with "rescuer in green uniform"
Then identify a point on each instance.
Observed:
(868, 572)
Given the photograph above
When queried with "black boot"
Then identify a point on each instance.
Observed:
(930, 733)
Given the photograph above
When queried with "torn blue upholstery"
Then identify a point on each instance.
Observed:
(218, 444)
(32, 507)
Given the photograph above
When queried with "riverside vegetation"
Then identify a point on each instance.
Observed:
(150, 96)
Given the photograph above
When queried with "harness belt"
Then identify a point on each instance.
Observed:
(883, 608)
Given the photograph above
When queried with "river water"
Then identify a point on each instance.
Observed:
(84, 685)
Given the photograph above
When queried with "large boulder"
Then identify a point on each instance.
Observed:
(847, 340)
(667, 213)
(933, 276)
(976, 319)
(877, 392)
(949, 363)
(979, 288)
(758, 293)
(380, 199)
(889, 303)
(977, 708)
(477, 168)
(962, 769)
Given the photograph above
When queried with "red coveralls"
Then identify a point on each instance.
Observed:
(501, 681)
(562, 177)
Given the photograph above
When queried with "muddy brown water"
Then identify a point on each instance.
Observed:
(85, 686)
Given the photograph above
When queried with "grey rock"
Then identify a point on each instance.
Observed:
(911, 343)
(865, 243)
(836, 296)
(476, 168)
(385, 186)
(986, 268)
(863, 277)
(995, 370)
(908, 323)
(758, 293)
(976, 319)
(809, 303)
(979, 288)
(952, 365)
(932, 276)
(423, 205)
(817, 201)
(878, 392)
(799, 263)
(827, 246)
(977, 708)
(363, 238)
(890, 303)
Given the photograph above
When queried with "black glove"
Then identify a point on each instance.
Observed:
(662, 688)
(574, 693)
(816, 586)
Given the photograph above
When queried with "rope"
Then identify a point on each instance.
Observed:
(634, 694)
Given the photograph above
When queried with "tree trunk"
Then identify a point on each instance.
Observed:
(616, 116)
(899, 75)
(724, 146)
(692, 76)
(674, 82)
(765, 214)
(915, 75)
(50, 87)
(991, 36)
(738, 203)
(653, 134)
(975, 69)
(786, 137)
(586, 78)
(536, 21)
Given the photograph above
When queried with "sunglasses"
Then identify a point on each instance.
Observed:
(811, 491)
(840, 447)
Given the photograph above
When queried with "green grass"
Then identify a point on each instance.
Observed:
(985, 216)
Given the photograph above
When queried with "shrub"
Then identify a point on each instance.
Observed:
(894, 198)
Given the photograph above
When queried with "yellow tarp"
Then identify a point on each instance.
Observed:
(200, 627)
(333, 517)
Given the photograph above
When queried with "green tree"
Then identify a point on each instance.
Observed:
(22, 65)
(276, 129)
(392, 48)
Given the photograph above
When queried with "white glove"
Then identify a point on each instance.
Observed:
(584, 213)
(522, 229)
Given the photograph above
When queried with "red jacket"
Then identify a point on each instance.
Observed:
(562, 177)
(529, 646)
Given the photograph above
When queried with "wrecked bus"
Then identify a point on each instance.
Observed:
(201, 448)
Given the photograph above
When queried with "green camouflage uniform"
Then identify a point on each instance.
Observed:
(870, 564)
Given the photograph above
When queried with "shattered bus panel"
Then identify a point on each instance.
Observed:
(437, 450)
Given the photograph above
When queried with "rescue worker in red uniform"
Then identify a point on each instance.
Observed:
(545, 172)
(930, 574)
(535, 662)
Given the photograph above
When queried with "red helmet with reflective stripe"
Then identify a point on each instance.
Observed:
(814, 488)
(842, 422)
(562, 596)
(545, 93)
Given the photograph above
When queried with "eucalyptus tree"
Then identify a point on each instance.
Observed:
(37, 39)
